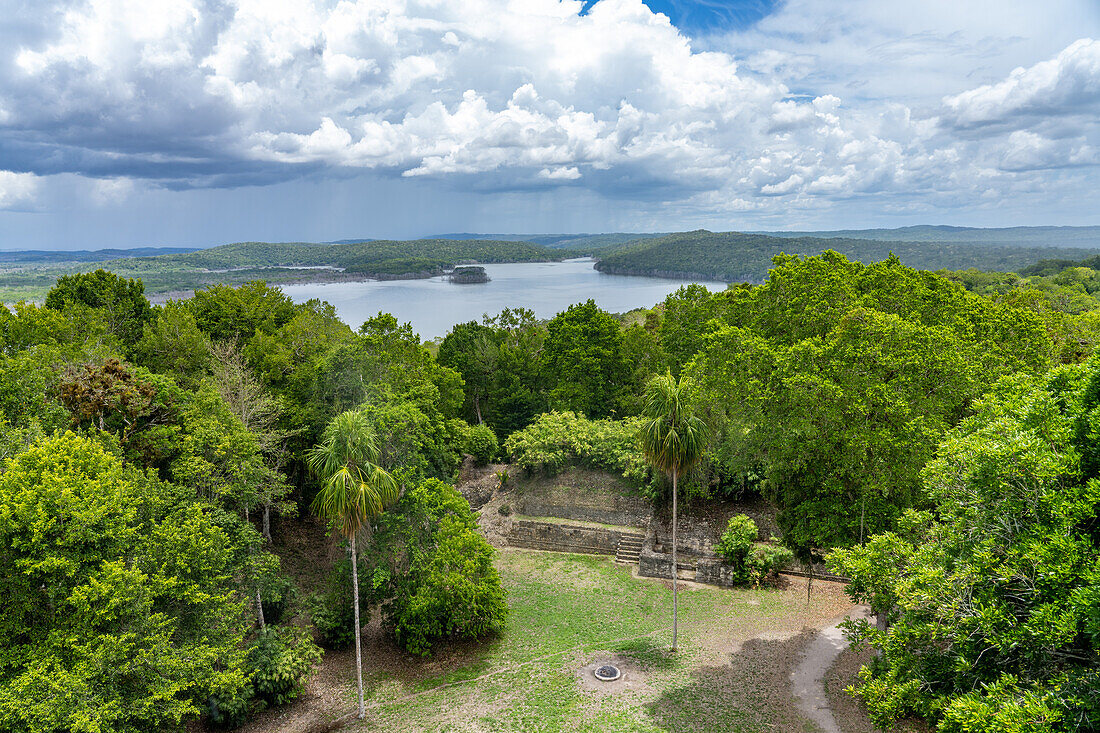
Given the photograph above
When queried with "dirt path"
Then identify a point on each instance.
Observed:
(808, 678)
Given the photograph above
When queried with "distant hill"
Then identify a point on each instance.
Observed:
(281, 262)
(745, 257)
(587, 243)
(1076, 237)
(86, 255)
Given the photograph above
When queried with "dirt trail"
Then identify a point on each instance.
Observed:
(808, 678)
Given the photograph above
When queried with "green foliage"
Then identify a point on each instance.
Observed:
(457, 594)
(585, 366)
(835, 381)
(686, 319)
(501, 363)
(105, 580)
(355, 488)
(991, 601)
(224, 312)
(481, 443)
(433, 570)
(752, 562)
(281, 659)
(172, 343)
(738, 539)
(332, 613)
(556, 439)
(122, 301)
(741, 257)
(672, 437)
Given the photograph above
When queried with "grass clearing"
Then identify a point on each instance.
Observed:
(569, 611)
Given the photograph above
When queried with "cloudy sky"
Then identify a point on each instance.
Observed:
(197, 122)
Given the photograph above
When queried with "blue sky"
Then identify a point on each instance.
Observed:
(197, 122)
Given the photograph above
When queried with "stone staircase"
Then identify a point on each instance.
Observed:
(630, 546)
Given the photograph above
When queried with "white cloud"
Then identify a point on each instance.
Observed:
(819, 102)
(17, 190)
(1069, 82)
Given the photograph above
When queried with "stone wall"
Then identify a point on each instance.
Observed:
(565, 537)
(654, 564)
(581, 495)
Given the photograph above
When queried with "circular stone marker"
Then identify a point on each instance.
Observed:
(608, 673)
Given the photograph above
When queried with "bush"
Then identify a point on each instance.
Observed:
(481, 443)
(332, 613)
(555, 439)
(753, 562)
(738, 539)
(276, 596)
(432, 570)
(281, 658)
(457, 594)
(228, 710)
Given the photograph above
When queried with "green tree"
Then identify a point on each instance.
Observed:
(122, 300)
(354, 490)
(223, 312)
(432, 570)
(471, 349)
(686, 319)
(121, 609)
(673, 439)
(584, 361)
(172, 343)
(991, 603)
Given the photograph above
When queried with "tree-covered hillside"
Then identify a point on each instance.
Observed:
(282, 262)
(740, 257)
(1009, 236)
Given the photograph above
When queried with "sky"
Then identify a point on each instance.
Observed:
(198, 122)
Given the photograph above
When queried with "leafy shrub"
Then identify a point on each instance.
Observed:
(276, 596)
(457, 594)
(738, 539)
(481, 443)
(753, 562)
(281, 658)
(228, 710)
(332, 613)
(431, 569)
(556, 439)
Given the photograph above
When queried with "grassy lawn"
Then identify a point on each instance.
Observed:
(569, 611)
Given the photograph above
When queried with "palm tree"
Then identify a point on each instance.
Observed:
(354, 490)
(673, 439)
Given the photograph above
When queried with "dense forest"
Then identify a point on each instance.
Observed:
(930, 435)
(741, 257)
(281, 262)
(1086, 237)
(702, 255)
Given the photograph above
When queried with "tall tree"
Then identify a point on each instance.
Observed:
(121, 300)
(673, 439)
(355, 490)
(584, 360)
(257, 408)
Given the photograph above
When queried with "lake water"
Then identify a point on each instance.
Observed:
(434, 305)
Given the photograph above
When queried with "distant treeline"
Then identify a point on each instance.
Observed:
(740, 257)
(276, 262)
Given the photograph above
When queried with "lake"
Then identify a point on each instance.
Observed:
(434, 305)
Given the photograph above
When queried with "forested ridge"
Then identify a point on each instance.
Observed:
(741, 257)
(931, 436)
(280, 261)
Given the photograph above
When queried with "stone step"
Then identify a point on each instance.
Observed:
(628, 549)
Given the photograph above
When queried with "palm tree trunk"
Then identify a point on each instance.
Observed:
(260, 608)
(675, 572)
(358, 651)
